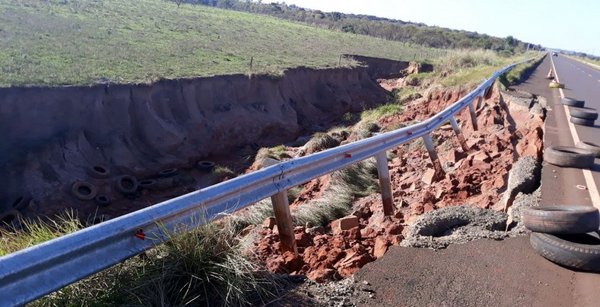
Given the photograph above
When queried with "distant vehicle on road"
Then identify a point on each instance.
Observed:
(554, 54)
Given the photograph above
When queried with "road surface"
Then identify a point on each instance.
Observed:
(581, 82)
(502, 273)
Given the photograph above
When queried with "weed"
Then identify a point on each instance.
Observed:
(346, 184)
(320, 141)
(200, 266)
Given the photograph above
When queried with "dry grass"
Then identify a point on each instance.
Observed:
(319, 142)
(200, 267)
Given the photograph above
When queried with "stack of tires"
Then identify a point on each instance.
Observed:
(580, 115)
(566, 235)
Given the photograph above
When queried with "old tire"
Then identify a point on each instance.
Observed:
(580, 251)
(169, 172)
(572, 102)
(594, 148)
(99, 171)
(148, 184)
(127, 184)
(582, 122)
(102, 200)
(585, 113)
(205, 166)
(84, 190)
(561, 219)
(568, 156)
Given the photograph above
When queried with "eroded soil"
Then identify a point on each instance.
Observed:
(507, 130)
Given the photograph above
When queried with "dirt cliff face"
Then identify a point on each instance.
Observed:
(53, 137)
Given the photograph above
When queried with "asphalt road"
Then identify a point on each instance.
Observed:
(582, 82)
(508, 272)
(560, 185)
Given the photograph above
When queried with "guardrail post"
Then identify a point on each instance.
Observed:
(283, 218)
(461, 138)
(472, 112)
(385, 183)
(437, 166)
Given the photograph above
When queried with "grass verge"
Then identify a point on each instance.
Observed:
(86, 41)
(202, 266)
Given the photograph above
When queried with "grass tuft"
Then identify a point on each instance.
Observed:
(203, 266)
(320, 141)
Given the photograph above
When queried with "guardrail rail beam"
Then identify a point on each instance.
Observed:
(385, 183)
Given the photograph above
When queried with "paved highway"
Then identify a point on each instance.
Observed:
(583, 82)
(567, 186)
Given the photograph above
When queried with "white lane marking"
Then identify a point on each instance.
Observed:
(587, 174)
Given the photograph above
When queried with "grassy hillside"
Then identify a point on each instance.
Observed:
(392, 29)
(67, 42)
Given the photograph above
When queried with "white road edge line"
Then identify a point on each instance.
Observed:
(587, 174)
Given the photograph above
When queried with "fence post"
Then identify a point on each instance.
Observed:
(385, 183)
(472, 112)
(461, 138)
(437, 165)
(283, 218)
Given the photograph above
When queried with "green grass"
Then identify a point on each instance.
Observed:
(203, 266)
(468, 68)
(36, 232)
(519, 72)
(67, 42)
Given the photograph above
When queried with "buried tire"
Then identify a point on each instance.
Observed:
(84, 190)
(568, 156)
(580, 251)
(582, 121)
(561, 219)
(585, 113)
(594, 148)
(127, 184)
(205, 166)
(572, 102)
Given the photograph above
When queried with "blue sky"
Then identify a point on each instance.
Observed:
(572, 25)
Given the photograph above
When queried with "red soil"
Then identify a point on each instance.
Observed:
(506, 132)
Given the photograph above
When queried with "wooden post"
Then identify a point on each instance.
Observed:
(437, 165)
(285, 227)
(461, 138)
(385, 183)
(472, 112)
(340, 61)
(251, 60)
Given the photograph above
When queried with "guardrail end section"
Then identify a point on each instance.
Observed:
(285, 226)
(385, 183)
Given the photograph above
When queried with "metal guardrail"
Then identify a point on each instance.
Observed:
(33, 272)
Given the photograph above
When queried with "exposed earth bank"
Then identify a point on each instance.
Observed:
(61, 136)
(510, 129)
